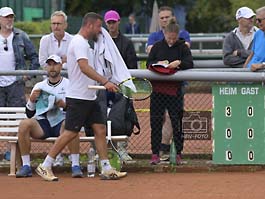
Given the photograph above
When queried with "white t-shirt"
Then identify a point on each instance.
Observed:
(78, 87)
(49, 45)
(7, 58)
(58, 90)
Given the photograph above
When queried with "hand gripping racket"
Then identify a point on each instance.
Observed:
(133, 88)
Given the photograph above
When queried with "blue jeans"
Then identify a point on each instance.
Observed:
(13, 95)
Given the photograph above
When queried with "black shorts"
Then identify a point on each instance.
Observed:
(48, 130)
(82, 113)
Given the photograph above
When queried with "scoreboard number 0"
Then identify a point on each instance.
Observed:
(228, 133)
(250, 155)
(228, 155)
(250, 111)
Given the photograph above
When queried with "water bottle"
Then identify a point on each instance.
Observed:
(91, 164)
(173, 154)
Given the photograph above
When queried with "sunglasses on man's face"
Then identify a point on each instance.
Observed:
(259, 20)
(5, 43)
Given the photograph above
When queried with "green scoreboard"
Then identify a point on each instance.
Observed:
(238, 123)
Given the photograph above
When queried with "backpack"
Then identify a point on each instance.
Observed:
(124, 120)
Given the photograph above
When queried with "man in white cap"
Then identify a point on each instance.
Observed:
(237, 44)
(45, 112)
(14, 45)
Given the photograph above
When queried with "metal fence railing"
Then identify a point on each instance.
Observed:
(197, 107)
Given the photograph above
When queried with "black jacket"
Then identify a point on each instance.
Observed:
(127, 51)
(179, 51)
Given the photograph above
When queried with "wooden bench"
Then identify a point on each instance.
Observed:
(10, 118)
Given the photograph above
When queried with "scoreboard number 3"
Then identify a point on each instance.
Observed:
(228, 111)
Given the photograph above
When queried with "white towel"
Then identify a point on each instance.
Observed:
(108, 60)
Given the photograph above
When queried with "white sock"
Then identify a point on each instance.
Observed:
(25, 160)
(105, 165)
(48, 162)
(75, 159)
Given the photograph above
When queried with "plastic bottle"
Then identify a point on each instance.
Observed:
(91, 164)
(173, 153)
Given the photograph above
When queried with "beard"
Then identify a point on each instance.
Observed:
(53, 74)
(95, 38)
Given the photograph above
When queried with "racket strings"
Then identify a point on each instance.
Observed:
(142, 89)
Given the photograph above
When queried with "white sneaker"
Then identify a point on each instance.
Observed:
(46, 173)
(112, 174)
(59, 161)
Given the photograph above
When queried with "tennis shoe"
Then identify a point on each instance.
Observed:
(155, 159)
(76, 172)
(25, 171)
(179, 159)
(46, 173)
(112, 174)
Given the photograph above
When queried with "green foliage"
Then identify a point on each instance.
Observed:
(34, 27)
(209, 16)
(235, 4)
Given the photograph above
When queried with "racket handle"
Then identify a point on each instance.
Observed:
(109, 130)
(97, 87)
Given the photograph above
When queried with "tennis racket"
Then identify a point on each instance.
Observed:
(133, 88)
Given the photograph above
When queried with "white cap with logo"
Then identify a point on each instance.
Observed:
(55, 58)
(5, 11)
(244, 12)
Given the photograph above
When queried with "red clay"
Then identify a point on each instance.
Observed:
(214, 185)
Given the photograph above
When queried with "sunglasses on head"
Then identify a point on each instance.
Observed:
(5, 43)
(259, 20)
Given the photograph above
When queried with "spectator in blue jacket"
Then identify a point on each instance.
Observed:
(256, 59)
(132, 27)
(15, 45)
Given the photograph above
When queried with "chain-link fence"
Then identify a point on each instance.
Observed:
(196, 124)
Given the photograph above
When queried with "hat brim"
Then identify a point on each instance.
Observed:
(162, 70)
(111, 19)
(7, 14)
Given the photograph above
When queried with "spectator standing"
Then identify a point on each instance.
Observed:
(167, 95)
(125, 45)
(15, 45)
(132, 27)
(44, 122)
(166, 14)
(82, 107)
(57, 41)
(256, 59)
(127, 51)
(238, 43)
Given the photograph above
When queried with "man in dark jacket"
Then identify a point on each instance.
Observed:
(125, 45)
(237, 44)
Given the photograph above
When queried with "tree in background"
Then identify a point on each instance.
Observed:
(209, 16)
(216, 16)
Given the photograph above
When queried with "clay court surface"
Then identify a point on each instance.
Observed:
(213, 185)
